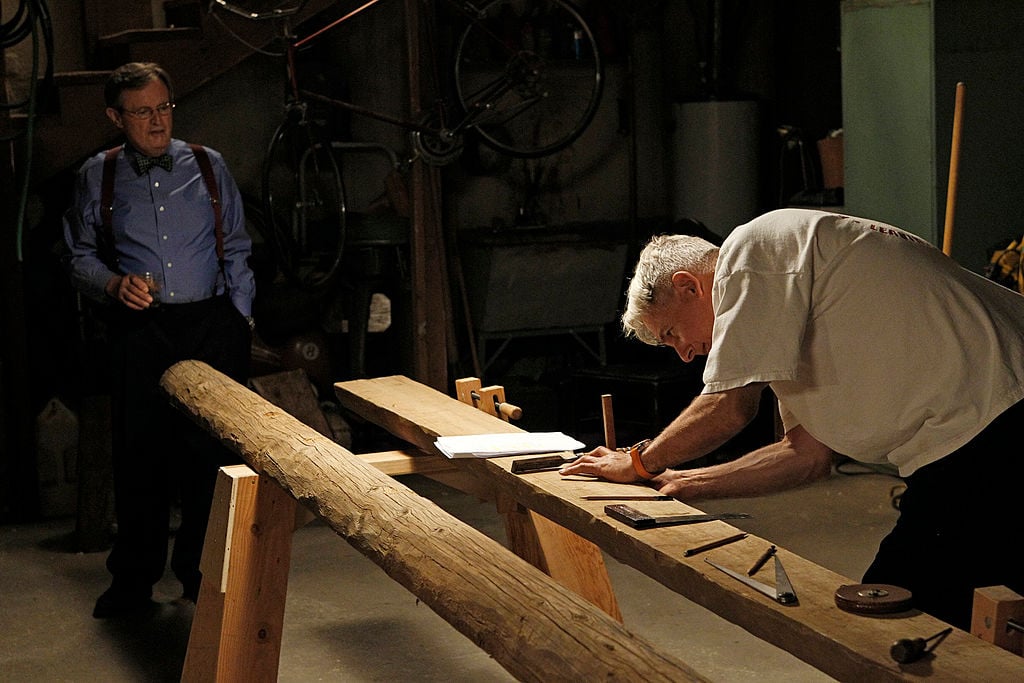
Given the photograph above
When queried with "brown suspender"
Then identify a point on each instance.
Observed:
(211, 186)
(105, 240)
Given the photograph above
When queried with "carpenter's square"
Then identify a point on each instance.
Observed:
(782, 592)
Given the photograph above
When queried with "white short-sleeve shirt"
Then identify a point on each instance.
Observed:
(879, 345)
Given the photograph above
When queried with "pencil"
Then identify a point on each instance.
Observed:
(714, 544)
(761, 560)
(638, 497)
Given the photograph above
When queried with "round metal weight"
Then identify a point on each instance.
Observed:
(873, 598)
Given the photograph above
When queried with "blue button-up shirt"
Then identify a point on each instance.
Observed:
(163, 223)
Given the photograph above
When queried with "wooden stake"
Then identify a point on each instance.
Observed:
(954, 171)
(609, 421)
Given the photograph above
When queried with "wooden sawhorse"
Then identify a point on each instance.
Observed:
(532, 626)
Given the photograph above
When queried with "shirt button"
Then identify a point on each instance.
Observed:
(169, 264)
(165, 237)
(161, 208)
(156, 184)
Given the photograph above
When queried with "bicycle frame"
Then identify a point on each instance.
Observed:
(523, 96)
(517, 80)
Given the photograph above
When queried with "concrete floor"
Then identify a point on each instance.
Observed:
(347, 621)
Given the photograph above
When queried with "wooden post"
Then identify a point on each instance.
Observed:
(429, 288)
(608, 420)
(236, 630)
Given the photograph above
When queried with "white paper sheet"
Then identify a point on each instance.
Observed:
(495, 445)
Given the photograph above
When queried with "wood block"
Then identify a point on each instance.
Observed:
(464, 389)
(994, 606)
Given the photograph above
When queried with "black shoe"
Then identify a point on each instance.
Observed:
(121, 602)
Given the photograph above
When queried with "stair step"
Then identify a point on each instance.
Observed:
(71, 79)
(145, 45)
(150, 35)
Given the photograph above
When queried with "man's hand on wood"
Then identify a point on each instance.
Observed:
(604, 463)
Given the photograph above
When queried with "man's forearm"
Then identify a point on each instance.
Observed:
(775, 467)
(707, 423)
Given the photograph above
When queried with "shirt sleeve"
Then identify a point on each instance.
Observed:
(760, 320)
(89, 274)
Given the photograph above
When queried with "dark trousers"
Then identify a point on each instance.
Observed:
(960, 525)
(159, 455)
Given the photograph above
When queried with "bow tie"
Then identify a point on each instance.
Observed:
(144, 163)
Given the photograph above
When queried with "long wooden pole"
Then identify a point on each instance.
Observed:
(954, 171)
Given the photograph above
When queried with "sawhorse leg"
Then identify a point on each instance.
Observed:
(569, 559)
(236, 630)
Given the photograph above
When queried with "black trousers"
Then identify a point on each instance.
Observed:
(960, 525)
(159, 455)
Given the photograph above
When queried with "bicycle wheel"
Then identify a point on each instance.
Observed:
(304, 204)
(528, 75)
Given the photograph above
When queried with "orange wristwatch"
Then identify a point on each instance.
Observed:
(638, 465)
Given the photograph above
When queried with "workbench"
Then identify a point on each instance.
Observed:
(844, 645)
(560, 623)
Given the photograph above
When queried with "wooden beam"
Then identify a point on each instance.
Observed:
(843, 645)
(530, 625)
(430, 307)
(412, 461)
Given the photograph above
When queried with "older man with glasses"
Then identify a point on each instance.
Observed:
(157, 236)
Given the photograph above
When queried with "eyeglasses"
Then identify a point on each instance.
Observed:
(147, 112)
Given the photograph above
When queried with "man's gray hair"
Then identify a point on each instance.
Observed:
(133, 76)
(661, 257)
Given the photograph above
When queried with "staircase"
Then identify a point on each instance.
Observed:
(194, 47)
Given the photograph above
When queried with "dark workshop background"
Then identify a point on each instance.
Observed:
(713, 111)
